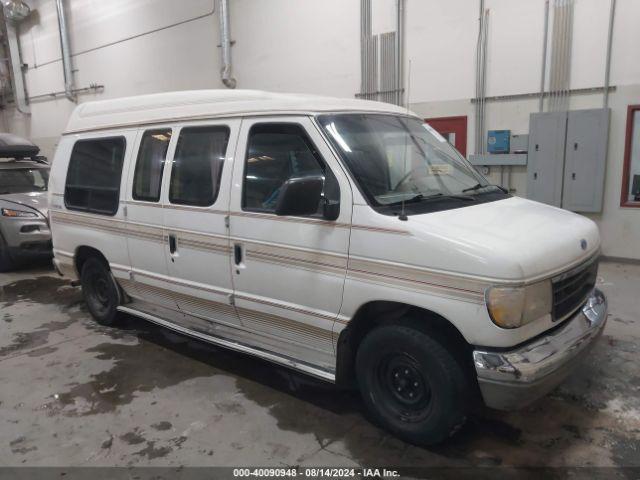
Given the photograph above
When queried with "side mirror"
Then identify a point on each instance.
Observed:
(300, 196)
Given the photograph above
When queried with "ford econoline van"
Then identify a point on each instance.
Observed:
(341, 238)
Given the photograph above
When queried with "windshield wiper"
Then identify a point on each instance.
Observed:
(436, 196)
(478, 186)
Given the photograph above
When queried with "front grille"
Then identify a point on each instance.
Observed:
(571, 289)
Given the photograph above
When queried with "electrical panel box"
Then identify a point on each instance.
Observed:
(585, 159)
(498, 141)
(546, 157)
(567, 157)
(519, 144)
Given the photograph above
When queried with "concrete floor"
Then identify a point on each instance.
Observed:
(74, 393)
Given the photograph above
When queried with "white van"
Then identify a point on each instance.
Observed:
(341, 238)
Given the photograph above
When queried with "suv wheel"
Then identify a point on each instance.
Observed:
(100, 290)
(411, 384)
(6, 264)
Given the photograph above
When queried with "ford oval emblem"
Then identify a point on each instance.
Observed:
(583, 244)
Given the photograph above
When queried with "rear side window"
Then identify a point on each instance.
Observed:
(147, 178)
(197, 165)
(276, 153)
(93, 177)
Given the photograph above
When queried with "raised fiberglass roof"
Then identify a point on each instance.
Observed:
(200, 104)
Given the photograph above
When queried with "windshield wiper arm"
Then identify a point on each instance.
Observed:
(478, 186)
(436, 196)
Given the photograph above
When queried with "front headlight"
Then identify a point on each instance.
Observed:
(8, 212)
(512, 307)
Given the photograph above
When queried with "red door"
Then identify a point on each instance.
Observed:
(453, 129)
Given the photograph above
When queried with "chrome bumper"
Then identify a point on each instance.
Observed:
(514, 378)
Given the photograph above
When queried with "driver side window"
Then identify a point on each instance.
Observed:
(277, 152)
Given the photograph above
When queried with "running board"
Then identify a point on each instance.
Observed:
(238, 347)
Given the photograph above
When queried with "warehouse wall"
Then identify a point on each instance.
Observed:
(146, 46)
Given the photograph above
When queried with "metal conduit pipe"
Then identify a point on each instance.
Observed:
(567, 86)
(66, 51)
(477, 105)
(562, 56)
(558, 57)
(481, 89)
(399, 80)
(225, 44)
(15, 11)
(553, 81)
(544, 55)
(19, 91)
(483, 81)
(607, 68)
(563, 65)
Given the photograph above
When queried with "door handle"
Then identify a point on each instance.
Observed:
(173, 243)
(237, 253)
(573, 176)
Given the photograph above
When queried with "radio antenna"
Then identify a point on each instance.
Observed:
(403, 215)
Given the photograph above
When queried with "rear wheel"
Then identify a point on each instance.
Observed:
(411, 384)
(100, 290)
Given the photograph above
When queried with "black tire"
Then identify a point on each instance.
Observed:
(411, 384)
(101, 292)
(6, 263)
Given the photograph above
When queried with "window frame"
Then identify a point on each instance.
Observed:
(626, 166)
(310, 143)
(178, 134)
(164, 164)
(121, 138)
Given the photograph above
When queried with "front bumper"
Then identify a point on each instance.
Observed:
(26, 237)
(511, 379)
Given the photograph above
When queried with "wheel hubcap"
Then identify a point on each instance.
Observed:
(407, 383)
(405, 387)
(99, 292)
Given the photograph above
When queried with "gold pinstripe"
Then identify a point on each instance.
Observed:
(311, 332)
(375, 271)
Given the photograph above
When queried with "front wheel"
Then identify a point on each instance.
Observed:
(6, 264)
(101, 292)
(411, 384)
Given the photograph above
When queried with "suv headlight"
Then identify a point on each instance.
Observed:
(512, 307)
(8, 212)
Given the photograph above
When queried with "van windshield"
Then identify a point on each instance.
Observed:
(400, 160)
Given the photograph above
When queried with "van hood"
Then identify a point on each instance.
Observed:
(512, 239)
(35, 200)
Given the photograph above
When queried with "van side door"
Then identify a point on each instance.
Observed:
(288, 272)
(148, 283)
(195, 207)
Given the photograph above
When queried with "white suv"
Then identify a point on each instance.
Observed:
(341, 238)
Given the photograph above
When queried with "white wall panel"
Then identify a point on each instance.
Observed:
(303, 46)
